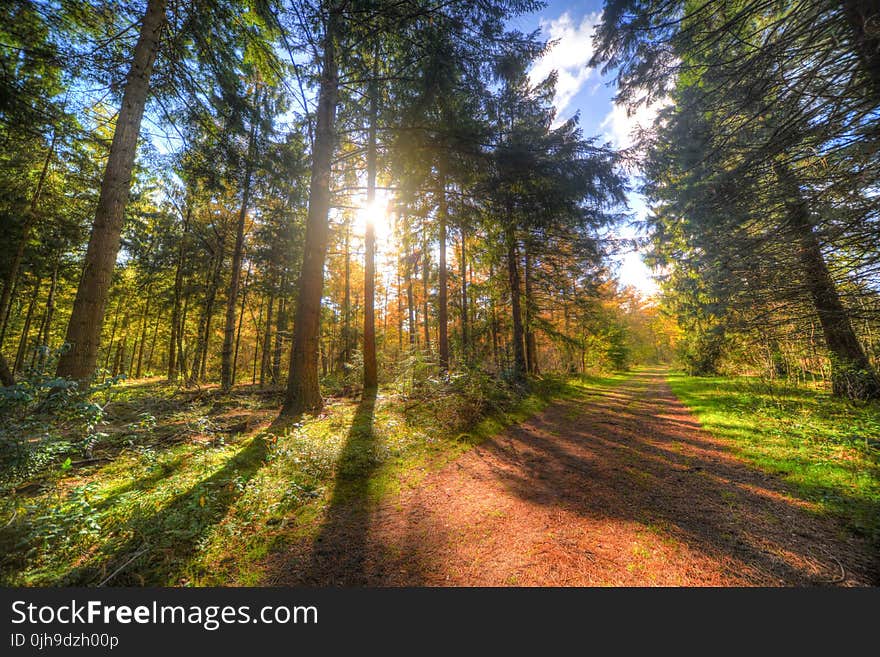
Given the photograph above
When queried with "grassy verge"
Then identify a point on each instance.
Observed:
(826, 448)
(199, 492)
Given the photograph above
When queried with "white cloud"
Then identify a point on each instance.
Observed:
(569, 57)
(619, 125)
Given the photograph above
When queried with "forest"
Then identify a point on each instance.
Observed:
(327, 292)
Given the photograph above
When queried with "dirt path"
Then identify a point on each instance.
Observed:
(618, 488)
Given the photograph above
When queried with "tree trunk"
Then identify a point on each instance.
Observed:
(851, 372)
(258, 328)
(238, 330)
(181, 353)
(112, 336)
(25, 332)
(117, 361)
(120, 347)
(143, 339)
(280, 330)
(863, 17)
(29, 220)
(87, 318)
(176, 327)
(200, 365)
(399, 311)
(303, 388)
(153, 340)
(226, 364)
(410, 300)
(345, 352)
(531, 342)
(6, 376)
(442, 285)
(370, 369)
(5, 321)
(134, 350)
(426, 288)
(519, 356)
(465, 337)
(267, 342)
(46, 325)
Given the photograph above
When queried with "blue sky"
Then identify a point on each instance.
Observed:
(585, 91)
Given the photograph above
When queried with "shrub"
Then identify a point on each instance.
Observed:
(45, 421)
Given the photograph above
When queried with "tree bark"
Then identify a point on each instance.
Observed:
(258, 328)
(6, 377)
(303, 387)
(117, 361)
(134, 351)
(120, 346)
(87, 318)
(493, 322)
(181, 353)
(345, 352)
(4, 324)
(399, 311)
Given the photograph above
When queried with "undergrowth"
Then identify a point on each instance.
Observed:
(199, 487)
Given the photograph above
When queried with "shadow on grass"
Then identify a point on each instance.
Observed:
(756, 418)
(156, 548)
(339, 552)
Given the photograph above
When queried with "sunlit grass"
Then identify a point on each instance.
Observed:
(827, 449)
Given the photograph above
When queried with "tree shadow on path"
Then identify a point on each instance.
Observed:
(619, 487)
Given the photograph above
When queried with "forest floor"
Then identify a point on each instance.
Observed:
(641, 478)
(619, 485)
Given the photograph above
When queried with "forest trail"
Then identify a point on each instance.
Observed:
(620, 486)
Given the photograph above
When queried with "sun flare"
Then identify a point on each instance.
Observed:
(377, 214)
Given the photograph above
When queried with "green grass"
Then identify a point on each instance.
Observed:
(826, 449)
(182, 501)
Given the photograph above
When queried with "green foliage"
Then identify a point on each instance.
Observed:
(701, 351)
(459, 401)
(45, 420)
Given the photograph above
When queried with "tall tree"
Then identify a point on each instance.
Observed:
(303, 386)
(226, 367)
(86, 321)
(371, 376)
